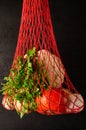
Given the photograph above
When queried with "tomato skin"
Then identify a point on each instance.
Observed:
(49, 102)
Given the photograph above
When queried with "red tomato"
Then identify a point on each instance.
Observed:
(49, 102)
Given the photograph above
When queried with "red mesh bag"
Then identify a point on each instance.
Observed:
(36, 30)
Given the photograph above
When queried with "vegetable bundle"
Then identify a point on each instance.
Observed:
(35, 84)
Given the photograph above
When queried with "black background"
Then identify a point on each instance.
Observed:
(68, 19)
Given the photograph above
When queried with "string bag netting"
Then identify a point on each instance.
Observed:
(38, 80)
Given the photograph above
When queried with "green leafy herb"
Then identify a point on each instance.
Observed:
(25, 81)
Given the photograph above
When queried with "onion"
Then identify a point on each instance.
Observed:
(20, 107)
(76, 103)
(7, 103)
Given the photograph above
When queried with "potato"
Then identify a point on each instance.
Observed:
(54, 67)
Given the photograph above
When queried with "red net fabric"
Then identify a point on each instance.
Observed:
(36, 28)
(36, 31)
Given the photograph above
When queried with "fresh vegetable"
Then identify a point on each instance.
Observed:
(76, 103)
(54, 67)
(35, 84)
(52, 101)
(58, 101)
(26, 80)
(7, 103)
(49, 101)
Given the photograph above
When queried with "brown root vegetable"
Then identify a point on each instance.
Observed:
(54, 67)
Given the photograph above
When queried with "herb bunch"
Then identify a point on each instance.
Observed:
(26, 81)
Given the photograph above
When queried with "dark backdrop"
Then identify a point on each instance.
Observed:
(68, 19)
